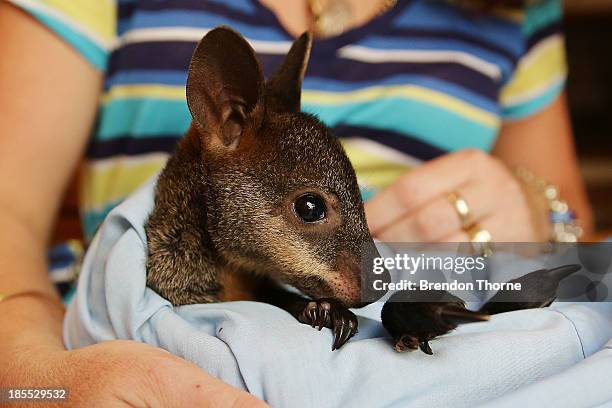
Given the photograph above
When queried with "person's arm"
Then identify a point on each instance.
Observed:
(48, 101)
(543, 144)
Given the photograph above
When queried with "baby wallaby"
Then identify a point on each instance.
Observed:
(259, 194)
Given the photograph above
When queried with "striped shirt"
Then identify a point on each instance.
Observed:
(421, 80)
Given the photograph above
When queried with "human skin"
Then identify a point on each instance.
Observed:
(415, 208)
(48, 100)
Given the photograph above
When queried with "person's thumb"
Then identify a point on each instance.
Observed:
(176, 383)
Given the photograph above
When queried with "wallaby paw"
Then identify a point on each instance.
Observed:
(413, 323)
(408, 342)
(329, 313)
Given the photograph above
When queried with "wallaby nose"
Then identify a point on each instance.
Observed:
(360, 280)
(374, 276)
(347, 284)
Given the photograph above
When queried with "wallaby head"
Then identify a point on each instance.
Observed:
(279, 194)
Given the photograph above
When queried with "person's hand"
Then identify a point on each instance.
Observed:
(130, 374)
(416, 208)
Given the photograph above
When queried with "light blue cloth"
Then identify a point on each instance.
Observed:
(545, 357)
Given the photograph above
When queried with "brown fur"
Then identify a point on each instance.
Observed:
(223, 218)
(237, 285)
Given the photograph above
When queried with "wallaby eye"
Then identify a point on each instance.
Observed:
(310, 207)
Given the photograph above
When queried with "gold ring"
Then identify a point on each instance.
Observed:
(480, 239)
(462, 209)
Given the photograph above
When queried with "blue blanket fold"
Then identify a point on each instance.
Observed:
(516, 358)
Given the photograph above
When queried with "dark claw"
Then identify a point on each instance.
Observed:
(425, 348)
(325, 319)
(329, 313)
(312, 314)
(338, 334)
(317, 321)
(351, 330)
(344, 328)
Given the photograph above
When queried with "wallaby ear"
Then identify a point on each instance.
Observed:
(284, 89)
(225, 87)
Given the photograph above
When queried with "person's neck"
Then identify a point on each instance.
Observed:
(296, 18)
